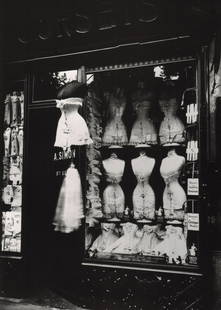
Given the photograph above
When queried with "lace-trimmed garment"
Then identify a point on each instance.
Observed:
(174, 195)
(143, 195)
(69, 211)
(115, 130)
(72, 128)
(113, 195)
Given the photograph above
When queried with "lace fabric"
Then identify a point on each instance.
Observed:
(69, 210)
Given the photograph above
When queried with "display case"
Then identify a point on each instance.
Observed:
(12, 156)
(144, 185)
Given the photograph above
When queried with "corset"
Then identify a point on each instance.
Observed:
(114, 178)
(115, 132)
(143, 201)
(114, 200)
(143, 131)
(171, 178)
(171, 131)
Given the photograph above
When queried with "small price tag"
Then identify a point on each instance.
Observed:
(193, 222)
(193, 186)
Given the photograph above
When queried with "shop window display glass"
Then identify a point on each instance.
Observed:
(12, 167)
(142, 196)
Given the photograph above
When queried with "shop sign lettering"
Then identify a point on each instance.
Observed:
(105, 17)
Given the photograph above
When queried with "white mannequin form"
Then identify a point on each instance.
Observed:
(174, 195)
(143, 130)
(113, 195)
(115, 130)
(171, 128)
(143, 195)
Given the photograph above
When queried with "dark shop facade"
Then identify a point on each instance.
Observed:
(110, 156)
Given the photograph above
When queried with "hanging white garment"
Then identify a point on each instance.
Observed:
(69, 211)
(72, 128)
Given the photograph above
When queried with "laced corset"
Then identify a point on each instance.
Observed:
(115, 130)
(72, 128)
(143, 194)
(113, 196)
(174, 196)
(143, 130)
(142, 168)
(171, 128)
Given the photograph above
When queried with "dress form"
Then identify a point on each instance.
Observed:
(113, 195)
(174, 195)
(72, 128)
(105, 240)
(143, 195)
(115, 130)
(171, 128)
(143, 130)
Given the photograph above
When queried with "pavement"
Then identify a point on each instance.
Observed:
(47, 300)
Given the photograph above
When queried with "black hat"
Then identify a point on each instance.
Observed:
(72, 89)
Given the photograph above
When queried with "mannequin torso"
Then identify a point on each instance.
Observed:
(113, 196)
(174, 196)
(143, 195)
(143, 130)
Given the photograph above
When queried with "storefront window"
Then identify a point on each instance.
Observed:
(12, 166)
(46, 84)
(143, 178)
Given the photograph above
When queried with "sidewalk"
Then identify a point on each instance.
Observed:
(46, 300)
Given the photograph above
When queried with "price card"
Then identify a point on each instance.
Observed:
(193, 222)
(193, 186)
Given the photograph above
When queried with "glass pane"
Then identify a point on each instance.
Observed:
(12, 164)
(46, 84)
(143, 169)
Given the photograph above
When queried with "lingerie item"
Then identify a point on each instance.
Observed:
(14, 142)
(75, 132)
(128, 243)
(149, 240)
(15, 175)
(115, 130)
(17, 196)
(7, 114)
(114, 201)
(69, 210)
(174, 195)
(20, 141)
(174, 245)
(143, 131)
(105, 240)
(171, 131)
(143, 201)
(7, 194)
(21, 100)
(15, 102)
(7, 135)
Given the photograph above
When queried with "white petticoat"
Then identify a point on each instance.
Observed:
(69, 211)
(78, 133)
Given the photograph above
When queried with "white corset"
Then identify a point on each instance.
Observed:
(174, 195)
(72, 128)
